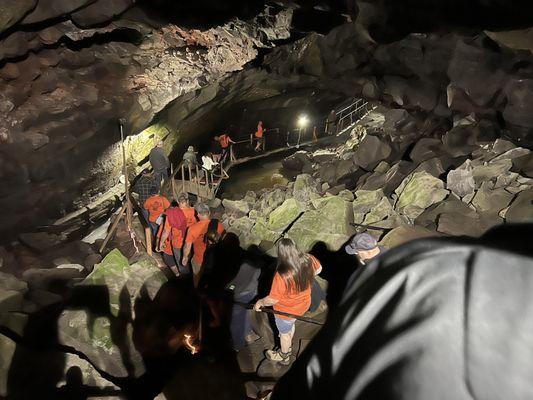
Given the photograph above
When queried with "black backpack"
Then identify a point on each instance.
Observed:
(212, 236)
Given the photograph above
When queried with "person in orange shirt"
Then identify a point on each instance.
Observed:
(290, 292)
(170, 238)
(196, 240)
(259, 136)
(225, 142)
(190, 214)
(156, 206)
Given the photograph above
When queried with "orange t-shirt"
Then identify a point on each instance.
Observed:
(190, 216)
(195, 236)
(259, 132)
(175, 238)
(156, 205)
(224, 141)
(296, 303)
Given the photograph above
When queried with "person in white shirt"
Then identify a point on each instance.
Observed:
(208, 163)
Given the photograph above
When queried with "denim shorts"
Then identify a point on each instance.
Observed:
(284, 325)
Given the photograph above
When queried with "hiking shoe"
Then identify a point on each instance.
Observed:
(279, 357)
(252, 337)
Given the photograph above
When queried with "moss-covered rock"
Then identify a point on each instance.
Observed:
(363, 203)
(404, 234)
(238, 208)
(261, 231)
(419, 191)
(284, 215)
(103, 327)
(305, 188)
(328, 223)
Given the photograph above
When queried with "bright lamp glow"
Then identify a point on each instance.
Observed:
(303, 121)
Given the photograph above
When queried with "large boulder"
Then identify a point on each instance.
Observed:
(269, 200)
(12, 291)
(364, 201)
(236, 208)
(305, 188)
(404, 234)
(460, 141)
(451, 205)
(284, 215)
(102, 329)
(521, 209)
(12, 11)
(490, 201)
(298, 162)
(329, 222)
(54, 280)
(425, 149)
(242, 227)
(52, 374)
(461, 180)
(459, 225)
(419, 191)
(370, 152)
(490, 170)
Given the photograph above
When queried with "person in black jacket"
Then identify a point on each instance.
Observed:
(160, 163)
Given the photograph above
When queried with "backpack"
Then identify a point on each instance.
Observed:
(211, 236)
(176, 219)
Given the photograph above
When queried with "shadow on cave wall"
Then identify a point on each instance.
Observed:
(39, 361)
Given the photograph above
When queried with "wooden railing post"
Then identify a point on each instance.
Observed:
(148, 236)
(183, 178)
(172, 181)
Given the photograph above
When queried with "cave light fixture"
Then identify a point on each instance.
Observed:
(303, 120)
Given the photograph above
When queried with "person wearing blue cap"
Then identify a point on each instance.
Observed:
(364, 247)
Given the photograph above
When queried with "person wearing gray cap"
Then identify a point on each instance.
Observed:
(190, 156)
(364, 247)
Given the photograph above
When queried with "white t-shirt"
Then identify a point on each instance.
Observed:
(208, 163)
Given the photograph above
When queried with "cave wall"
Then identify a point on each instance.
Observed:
(70, 69)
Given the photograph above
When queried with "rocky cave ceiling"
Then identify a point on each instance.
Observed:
(69, 69)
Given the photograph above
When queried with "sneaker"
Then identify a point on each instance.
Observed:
(252, 337)
(279, 357)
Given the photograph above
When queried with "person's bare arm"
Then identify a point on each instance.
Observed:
(186, 253)
(264, 302)
(163, 239)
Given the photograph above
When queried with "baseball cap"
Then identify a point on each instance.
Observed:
(361, 242)
(183, 197)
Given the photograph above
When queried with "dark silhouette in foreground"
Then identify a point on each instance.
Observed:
(432, 319)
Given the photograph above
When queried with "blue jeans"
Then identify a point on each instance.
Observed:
(241, 325)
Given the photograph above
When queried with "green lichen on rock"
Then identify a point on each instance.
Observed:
(381, 211)
(364, 201)
(121, 284)
(328, 223)
(419, 191)
(262, 231)
(284, 215)
(305, 188)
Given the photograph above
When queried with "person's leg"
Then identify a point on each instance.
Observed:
(169, 260)
(182, 269)
(158, 176)
(196, 271)
(240, 325)
(286, 333)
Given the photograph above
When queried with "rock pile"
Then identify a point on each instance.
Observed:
(101, 318)
(447, 186)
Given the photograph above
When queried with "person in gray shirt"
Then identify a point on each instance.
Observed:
(160, 163)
